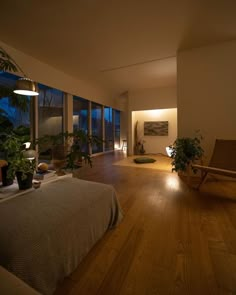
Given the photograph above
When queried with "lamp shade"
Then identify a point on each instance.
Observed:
(25, 86)
(27, 145)
(169, 151)
(29, 154)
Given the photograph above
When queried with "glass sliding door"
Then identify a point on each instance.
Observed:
(96, 123)
(81, 117)
(80, 114)
(50, 115)
(108, 124)
(117, 128)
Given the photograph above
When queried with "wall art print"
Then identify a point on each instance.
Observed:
(156, 128)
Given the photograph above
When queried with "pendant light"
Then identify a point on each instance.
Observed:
(24, 86)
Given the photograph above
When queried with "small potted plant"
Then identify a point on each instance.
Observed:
(19, 164)
(24, 169)
(186, 151)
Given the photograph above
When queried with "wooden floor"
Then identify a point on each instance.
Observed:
(172, 240)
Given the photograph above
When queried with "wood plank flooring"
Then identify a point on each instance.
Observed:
(172, 240)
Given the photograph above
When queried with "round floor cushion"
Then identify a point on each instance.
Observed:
(142, 160)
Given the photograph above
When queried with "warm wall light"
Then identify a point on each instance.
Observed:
(169, 151)
(25, 86)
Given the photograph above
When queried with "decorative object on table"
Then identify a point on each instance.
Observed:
(3, 163)
(143, 160)
(4, 167)
(5, 180)
(36, 184)
(186, 151)
(158, 128)
(43, 175)
(43, 167)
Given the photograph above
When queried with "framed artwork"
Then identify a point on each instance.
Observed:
(156, 128)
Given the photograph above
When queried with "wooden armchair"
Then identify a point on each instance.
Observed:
(223, 160)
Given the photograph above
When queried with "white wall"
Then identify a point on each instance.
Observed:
(148, 99)
(206, 93)
(45, 74)
(156, 144)
(154, 98)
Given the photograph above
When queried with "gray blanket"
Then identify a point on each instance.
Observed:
(44, 234)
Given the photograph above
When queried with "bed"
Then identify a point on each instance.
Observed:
(45, 233)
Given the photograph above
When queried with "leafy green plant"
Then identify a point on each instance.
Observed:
(6, 62)
(69, 145)
(185, 151)
(12, 148)
(22, 165)
(11, 141)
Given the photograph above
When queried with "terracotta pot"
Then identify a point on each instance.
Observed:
(5, 181)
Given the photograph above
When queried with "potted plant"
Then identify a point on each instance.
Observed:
(24, 169)
(13, 149)
(67, 149)
(186, 151)
(8, 148)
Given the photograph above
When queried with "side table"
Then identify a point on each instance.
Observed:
(12, 191)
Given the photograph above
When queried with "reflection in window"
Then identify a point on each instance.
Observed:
(80, 114)
(80, 117)
(14, 109)
(109, 138)
(50, 114)
(117, 129)
(96, 118)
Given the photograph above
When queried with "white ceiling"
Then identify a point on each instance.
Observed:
(122, 44)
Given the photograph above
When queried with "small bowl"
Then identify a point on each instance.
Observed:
(36, 184)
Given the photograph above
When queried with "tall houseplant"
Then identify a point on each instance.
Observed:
(186, 151)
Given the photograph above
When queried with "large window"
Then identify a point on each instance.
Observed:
(50, 115)
(80, 113)
(108, 122)
(96, 117)
(50, 111)
(15, 112)
(81, 116)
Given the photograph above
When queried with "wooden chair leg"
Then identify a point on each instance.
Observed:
(203, 179)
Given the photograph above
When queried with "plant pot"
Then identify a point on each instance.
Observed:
(6, 181)
(25, 183)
